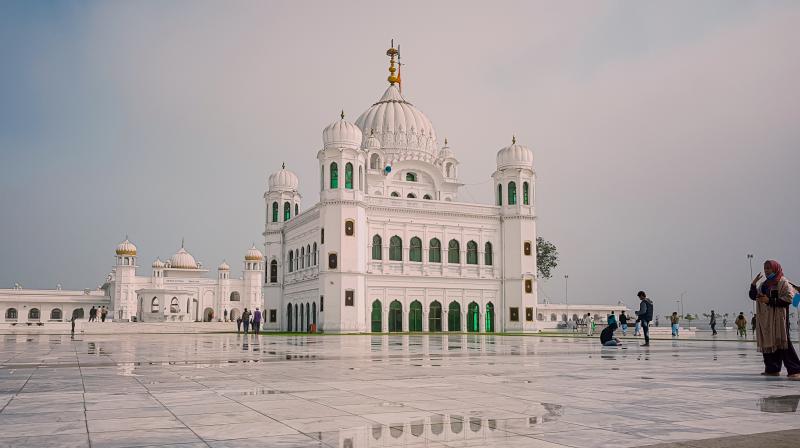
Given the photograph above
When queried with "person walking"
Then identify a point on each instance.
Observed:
(225, 316)
(753, 323)
(256, 320)
(246, 320)
(92, 314)
(589, 324)
(611, 319)
(623, 322)
(239, 324)
(674, 320)
(713, 323)
(774, 296)
(72, 329)
(103, 314)
(741, 325)
(645, 315)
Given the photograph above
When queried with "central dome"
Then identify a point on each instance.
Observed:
(397, 124)
(183, 260)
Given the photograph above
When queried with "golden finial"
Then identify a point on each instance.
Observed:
(283, 166)
(342, 114)
(445, 141)
(392, 53)
(513, 139)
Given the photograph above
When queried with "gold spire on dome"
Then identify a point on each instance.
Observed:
(392, 53)
(513, 139)
(342, 114)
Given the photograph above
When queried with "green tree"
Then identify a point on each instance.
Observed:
(546, 257)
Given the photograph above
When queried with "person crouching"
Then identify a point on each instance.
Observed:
(607, 336)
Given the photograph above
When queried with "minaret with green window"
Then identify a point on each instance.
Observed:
(282, 204)
(343, 219)
(513, 189)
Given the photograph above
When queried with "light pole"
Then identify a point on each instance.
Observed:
(750, 260)
(566, 290)
(681, 300)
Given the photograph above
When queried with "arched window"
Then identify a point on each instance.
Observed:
(296, 209)
(33, 314)
(235, 297)
(376, 317)
(487, 256)
(11, 313)
(56, 314)
(435, 316)
(296, 259)
(448, 170)
(539, 316)
(291, 261)
(314, 255)
(435, 251)
(377, 249)
(77, 313)
(273, 271)
(321, 236)
(287, 211)
(454, 316)
(395, 249)
(174, 307)
(348, 176)
(415, 251)
(499, 194)
(427, 196)
(274, 212)
(308, 256)
(411, 196)
(334, 176)
(302, 258)
(395, 194)
(525, 194)
(553, 317)
(472, 252)
(453, 252)
(512, 193)
(411, 177)
(154, 306)
(415, 316)
(375, 162)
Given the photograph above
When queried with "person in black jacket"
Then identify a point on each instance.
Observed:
(607, 336)
(645, 315)
(623, 322)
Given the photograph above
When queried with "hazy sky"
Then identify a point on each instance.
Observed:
(666, 134)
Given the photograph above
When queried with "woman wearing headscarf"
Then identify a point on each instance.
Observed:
(773, 297)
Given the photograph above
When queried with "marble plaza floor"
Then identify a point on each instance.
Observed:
(227, 390)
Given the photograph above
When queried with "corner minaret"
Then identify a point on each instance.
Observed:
(124, 299)
(513, 190)
(253, 274)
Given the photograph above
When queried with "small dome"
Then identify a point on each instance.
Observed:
(342, 133)
(515, 155)
(283, 180)
(372, 142)
(183, 260)
(254, 254)
(158, 264)
(446, 152)
(126, 248)
(223, 266)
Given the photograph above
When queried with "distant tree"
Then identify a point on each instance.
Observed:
(546, 257)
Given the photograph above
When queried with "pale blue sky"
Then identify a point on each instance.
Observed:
(665, 133)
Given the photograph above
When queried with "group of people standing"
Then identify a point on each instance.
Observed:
(102, 311)
(249, 320)
(643, 318)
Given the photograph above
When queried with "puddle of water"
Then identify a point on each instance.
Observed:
(779, 404)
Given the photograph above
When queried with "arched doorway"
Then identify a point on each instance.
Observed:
(454, 316)
(490, 318)
(377, 314)
(473, 317)
(415, 316)
(435, 316)
(289, 317)
(302, 318)
(195, 310)
(235, 314)
(314, 313)
(296, 318)
(308, 317)
(395, 317)
(208, 315)
(77, 313)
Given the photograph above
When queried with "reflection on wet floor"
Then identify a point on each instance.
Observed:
(779, 404)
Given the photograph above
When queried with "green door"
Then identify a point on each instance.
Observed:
(489, 317)
(395, 317)
(473, 318)
(435, 317)
(377, 314)
(415, 316)
(454, 317)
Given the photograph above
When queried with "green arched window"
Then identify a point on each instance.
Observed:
(377, 315)
(512, 193)
(435, 251)
(415, 250)
(453, 252)
(488, 254)
(287, 211)
(396, 249)
(348, 176)
(473, 318)
(377, 249)
(274, 212)
(411, 177)
(500, 194)
(454, 316)
(415, 316)
(334, 176)
(525, 194)
(472, 252)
